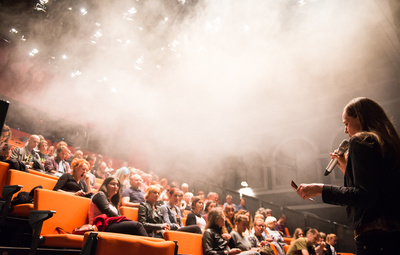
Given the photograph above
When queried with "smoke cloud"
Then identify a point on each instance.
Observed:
(187, 83)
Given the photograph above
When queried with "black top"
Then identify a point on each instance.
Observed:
(213, 242)
(191, 218)
(67, 183)
(370, 187)
(100, 200)
(150, 218)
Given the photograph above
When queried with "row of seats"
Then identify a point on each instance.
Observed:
(52, 210)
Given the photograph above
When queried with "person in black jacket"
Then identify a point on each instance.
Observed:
(148, 215)
(371, 175)
(213, 242)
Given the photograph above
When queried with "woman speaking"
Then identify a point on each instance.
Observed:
(371, 176)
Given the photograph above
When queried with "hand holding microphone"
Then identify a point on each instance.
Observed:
(343, 147)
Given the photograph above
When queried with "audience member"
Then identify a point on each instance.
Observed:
(239, 240)
(229, 202)
(122, 175)
(185, 187)
(213, 196)
(51, 151)
(181, 204)
(28, 155)
(331, 241)
(321, 245)
(172, 214)
(298, 232)
(110, 171)
(77, 181)
(208, 207)
(201, 195)
(281, 225)
(187, 198)
(248, 231)
(148, 214)
(257, 239)
(92, 159)
(5, 148)
(261, 210)
(305, 245)
(105, 204)
(195, 217)
(101, 171)
(229, 213)
(78, 154)
(242, 205)
(57, 165)
(99, 160)
(133, 196)
(268, 212)
(146, 180)
(43, 151)
(278, 241)
(164, 192)
(213, 242)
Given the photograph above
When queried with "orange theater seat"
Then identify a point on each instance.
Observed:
(188, 243)
(4, 167)
(287, 240)
(287, 232)
(43, 174)
(130, 212)
(28, 181)
(105, 243)
(71, 212)
(274, 248)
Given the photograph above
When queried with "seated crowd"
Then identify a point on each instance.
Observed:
(226, 229)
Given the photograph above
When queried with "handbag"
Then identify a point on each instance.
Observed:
(83, 229)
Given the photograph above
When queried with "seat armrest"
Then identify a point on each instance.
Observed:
(5, 206)
(36, 219)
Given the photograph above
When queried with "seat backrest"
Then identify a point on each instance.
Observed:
(274, 248)
(29, 181)
(130, 212)
(111, 243)
(188, 243)
(31, 171)
(71, 210)
(4, 167)
(287, 232)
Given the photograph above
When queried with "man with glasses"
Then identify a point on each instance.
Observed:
(257, 239)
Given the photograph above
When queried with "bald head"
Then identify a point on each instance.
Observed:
(136, 181)
(33, 142)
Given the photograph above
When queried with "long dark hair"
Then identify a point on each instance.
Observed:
(4, 130)
(374, 122)
(213, 216)
(115, 200)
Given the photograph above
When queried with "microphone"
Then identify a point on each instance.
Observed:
(343, 147)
